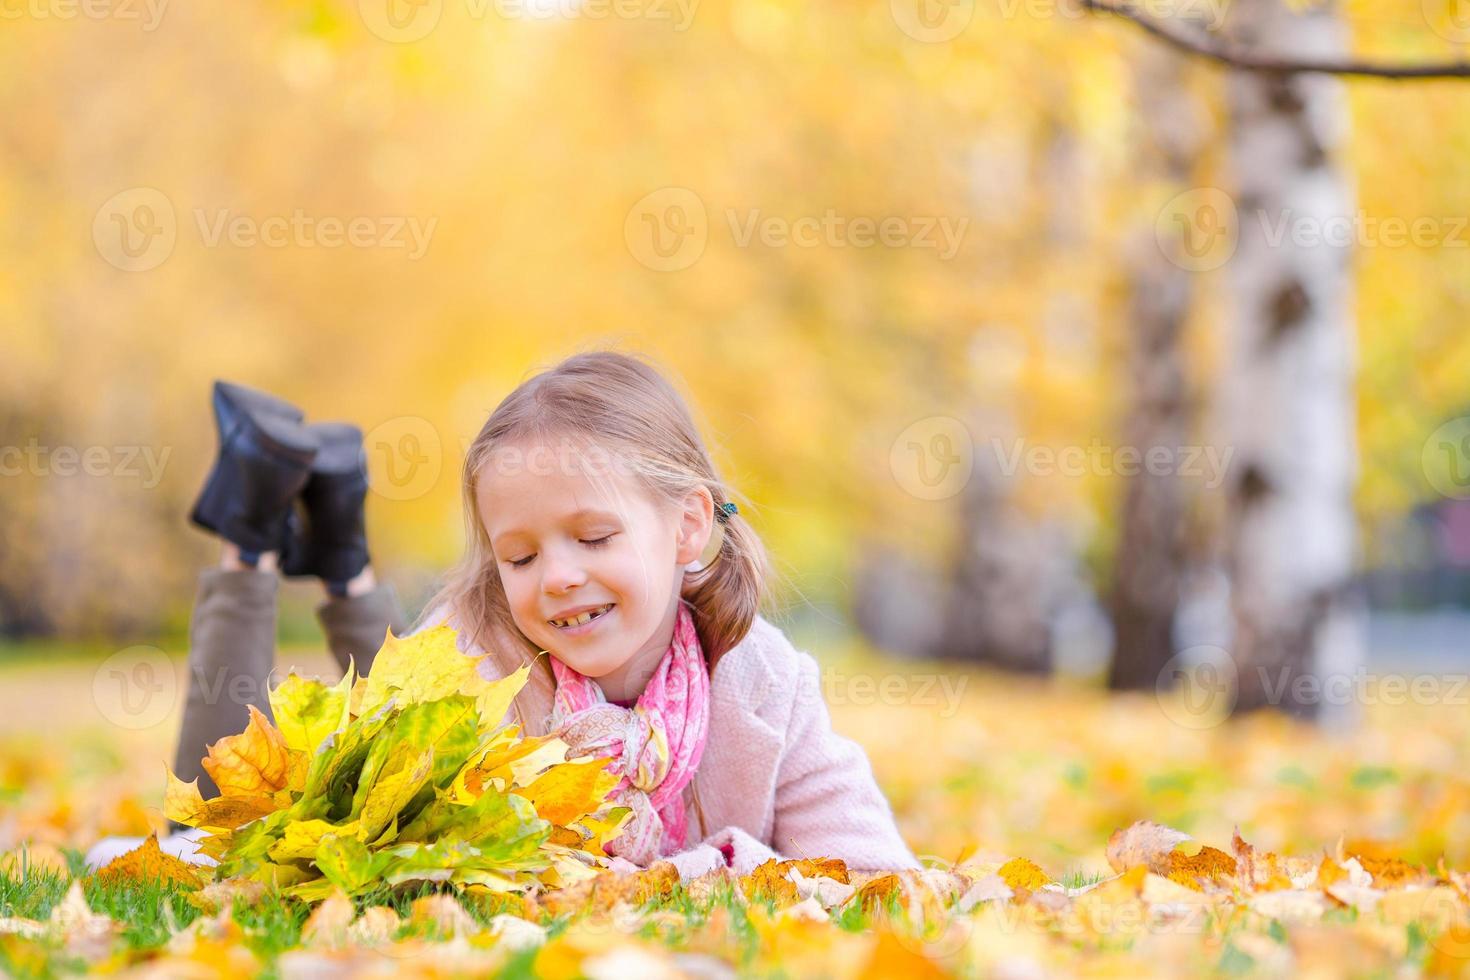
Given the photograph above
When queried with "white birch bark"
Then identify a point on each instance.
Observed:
(1287, 398)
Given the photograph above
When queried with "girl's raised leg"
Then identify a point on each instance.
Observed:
(232, 647)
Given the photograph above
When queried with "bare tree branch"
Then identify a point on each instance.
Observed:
(1235, 57)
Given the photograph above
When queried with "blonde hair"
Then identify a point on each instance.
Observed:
(627, 407)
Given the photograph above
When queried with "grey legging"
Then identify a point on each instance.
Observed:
(232, 647)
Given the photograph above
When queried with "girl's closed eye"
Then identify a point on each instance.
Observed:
(594, 543)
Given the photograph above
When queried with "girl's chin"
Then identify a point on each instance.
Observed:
(599, 668)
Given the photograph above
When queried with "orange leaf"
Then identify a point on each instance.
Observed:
(1020, 873)
(1208, 864)
(564, 793)
(254, 763)
(147, 863)
(1146, 843)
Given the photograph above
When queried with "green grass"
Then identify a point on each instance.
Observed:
(31, 892)
(1080, 878)
(151, 912)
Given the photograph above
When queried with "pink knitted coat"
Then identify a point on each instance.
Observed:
(775, 779)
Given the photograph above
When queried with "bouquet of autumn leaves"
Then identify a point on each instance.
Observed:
(407, 775)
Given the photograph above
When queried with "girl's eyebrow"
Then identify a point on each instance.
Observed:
(582, 514)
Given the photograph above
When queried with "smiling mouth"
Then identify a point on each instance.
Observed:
(584, 618)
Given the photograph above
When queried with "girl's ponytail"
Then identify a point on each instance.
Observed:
(726, 594)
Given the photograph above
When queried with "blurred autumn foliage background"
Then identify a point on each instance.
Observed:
(930, 275)
(539, 152)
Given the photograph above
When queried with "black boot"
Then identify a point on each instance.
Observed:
(265, 457)
(327, 538)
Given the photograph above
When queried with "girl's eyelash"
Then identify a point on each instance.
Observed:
(595, 543)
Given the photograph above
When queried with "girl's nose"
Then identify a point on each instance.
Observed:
(559, 574)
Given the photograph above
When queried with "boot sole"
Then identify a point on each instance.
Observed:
(283, 448)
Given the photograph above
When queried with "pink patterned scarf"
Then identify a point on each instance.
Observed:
(655, 745)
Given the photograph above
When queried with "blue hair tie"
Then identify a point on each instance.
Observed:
(723, 512)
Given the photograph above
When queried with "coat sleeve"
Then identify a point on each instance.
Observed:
(827, 802)
(729, 847)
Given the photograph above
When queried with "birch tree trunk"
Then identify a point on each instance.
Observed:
(999, 603)
(1286, 398)
(1149, 563)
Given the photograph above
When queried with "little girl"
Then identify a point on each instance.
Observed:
(589, 500)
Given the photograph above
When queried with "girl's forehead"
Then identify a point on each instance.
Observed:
(523, 484)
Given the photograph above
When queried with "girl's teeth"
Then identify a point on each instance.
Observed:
(585, 617)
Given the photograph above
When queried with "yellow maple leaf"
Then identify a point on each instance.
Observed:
(429, 665)
(1021, 873)
(608, 889)
(506, 762)
(597, 829)
(147, 863)
(772, 879)
(1191, 862)
(183, 803)
(392, 792)
(895, 956)
(1146, 843)
(568, 791)
(307, 711)
(302, 838)
(254, 763)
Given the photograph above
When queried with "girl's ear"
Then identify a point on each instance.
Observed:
(696, 524)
